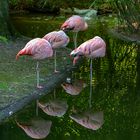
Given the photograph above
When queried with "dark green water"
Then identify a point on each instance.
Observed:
(116, 87)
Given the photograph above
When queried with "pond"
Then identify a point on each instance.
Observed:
(115, 100)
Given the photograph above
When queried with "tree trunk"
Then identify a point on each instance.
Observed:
(6, 28)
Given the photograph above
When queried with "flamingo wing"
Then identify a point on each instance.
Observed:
(57, 39)
(38, 48)
(74, 23)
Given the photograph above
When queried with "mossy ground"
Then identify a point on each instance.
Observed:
(18, 77)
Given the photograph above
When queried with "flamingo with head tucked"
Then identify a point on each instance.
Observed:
(38, 49)
(57, 39)
(93, 48)
(75, 23)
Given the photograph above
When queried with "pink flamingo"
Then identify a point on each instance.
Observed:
(57, 39)
(75, 23)
(38, 49)
(93, 48)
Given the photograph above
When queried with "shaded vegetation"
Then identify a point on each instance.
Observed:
(3, 39)
(7, 30)
(51, 6)
(128, 15)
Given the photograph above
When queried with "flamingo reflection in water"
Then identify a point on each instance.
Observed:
(55, 107)
(75, 23)
(93, 48)
(57, 39)
(37, 128)
(88, 119)
(38, 49)
(74, 88)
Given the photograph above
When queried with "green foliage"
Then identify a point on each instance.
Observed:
(3, 39)
(47, 3)
(14, 2)
(3, 86)
(128, 13)
(20, 4)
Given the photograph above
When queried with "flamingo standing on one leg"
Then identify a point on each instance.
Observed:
(93, 48)
(38, 49)
(75, 23)
(57, 39)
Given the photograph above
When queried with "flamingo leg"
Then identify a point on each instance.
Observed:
(55, 62)
(37, 75)
(90, 96)
(37, 84)
(75, 39)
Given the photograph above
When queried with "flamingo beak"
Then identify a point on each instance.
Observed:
(76, 55)
(65, 30)
(75, 60)
(63, 85)
(73, 53)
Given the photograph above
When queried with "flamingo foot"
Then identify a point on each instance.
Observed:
(39, 87)
(56, 71)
